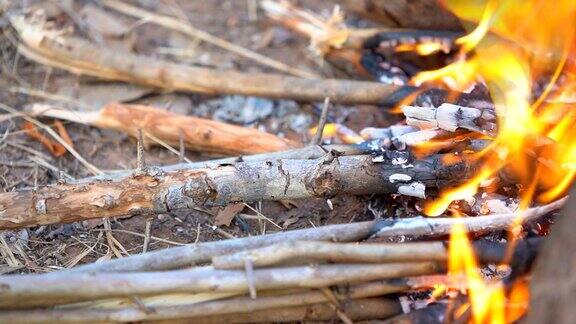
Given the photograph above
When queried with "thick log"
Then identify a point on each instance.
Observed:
(216, 307)
(553, 287)
(38, 290)
(155, 191)
(198, 134)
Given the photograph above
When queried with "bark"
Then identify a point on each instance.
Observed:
(155, 191)
(38, 290)
(81, 57)
(199, 134)
(217, 307)
(553, 288)
(307, 152)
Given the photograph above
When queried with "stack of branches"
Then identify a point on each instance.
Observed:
(334, 272)
(310, 274)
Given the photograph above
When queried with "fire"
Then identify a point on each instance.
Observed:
(487, 300)
(516, 45)
(513, 47)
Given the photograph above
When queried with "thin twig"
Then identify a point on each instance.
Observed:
(317, 139)
(147, 235)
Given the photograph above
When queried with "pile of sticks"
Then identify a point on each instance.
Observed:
(306, 274)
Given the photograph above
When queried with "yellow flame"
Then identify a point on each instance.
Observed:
(487, 300)
(515, 44)
(345, 134)
(508, 64)
(425, 48)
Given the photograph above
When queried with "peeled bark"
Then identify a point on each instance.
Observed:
(198, 134)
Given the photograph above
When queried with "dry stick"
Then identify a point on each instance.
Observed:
(450, 117)
(317, 139)
(188, 29)
(161, 192)
(199, 134)
(39, 290)
(81, 57)
(414, 228)
(219, 307)
(307, 152)
(302, 252)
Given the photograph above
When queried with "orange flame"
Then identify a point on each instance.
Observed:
(515, 44)
(509, 60)
(486, 299)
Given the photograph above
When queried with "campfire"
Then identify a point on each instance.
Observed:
(454, 197)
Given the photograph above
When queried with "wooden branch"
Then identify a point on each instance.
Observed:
(411, 228)
(417, 227)
(451, 117)
(39, 290)
(199, 134)
(305, 251)
(155, 191)
(216, 307)
(81, 57)
(302, 252)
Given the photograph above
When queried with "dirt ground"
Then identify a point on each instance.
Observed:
(26, 163)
